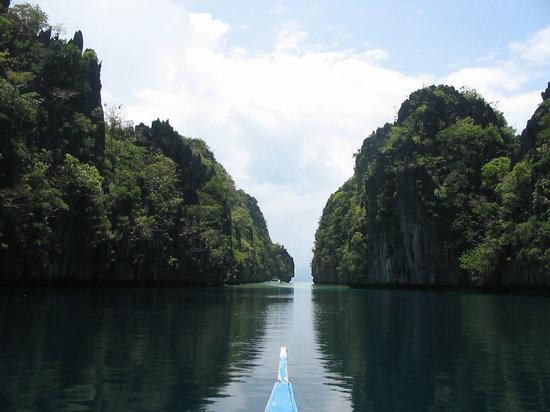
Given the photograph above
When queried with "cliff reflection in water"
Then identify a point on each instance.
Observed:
(399, 350)
(156, 349)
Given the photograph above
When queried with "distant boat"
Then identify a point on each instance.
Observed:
(282, 395)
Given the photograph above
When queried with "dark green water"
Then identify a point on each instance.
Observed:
(217, 349)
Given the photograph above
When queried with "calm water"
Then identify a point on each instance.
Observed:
(217, 349)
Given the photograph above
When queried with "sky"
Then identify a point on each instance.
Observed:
(284, 92)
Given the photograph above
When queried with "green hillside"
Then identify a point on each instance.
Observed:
(88, 199)
(445, 195)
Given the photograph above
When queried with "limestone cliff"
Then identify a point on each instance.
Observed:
(434, 196)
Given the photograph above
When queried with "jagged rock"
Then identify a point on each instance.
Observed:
(78, 40)
(528, 137)
(45, 37)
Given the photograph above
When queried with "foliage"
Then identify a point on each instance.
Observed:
(27, 19)
(83, 193)
(334, 260)
(85, 200)
(447, 180)
(517, 234)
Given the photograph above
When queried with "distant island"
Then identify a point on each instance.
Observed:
(90, 199)
(446, 195)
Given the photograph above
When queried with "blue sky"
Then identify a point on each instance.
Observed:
(419, 36)
(284, 92)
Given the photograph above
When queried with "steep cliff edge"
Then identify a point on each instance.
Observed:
(86, 201)
(446, 195)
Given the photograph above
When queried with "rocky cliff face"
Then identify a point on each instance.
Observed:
(405, 248)
(531, 138)
(447, 176)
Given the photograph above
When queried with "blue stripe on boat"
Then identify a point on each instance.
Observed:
(282, 395)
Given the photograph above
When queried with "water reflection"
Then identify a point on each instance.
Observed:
(216, 349)
(398, 350)
(157, 349)
(250, 386)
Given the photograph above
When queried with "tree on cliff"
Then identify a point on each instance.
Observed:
(82, 201)
(447, 195)
(514, 247)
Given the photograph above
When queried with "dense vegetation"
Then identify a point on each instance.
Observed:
(447, 194)
(88, 200)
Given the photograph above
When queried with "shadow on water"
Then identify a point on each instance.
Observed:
(216, 349)
(128, 349)
(403, 350)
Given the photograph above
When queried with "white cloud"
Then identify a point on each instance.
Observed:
(375, 55)
(486, 80)
(279, 9)
(291, 38)
(503, 82)
(519, 108)
(536, 50)
(206, 31)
